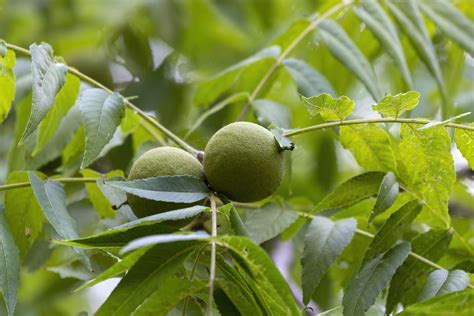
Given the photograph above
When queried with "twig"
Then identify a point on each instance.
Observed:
(63, 180)
(212, 273)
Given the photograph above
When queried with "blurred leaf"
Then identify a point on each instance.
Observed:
(429, 168)
(344, 49)
(74, 150)
(309, 81)
(366, 285)
(9, 265)
(48, 78)
(7, 81)
(388, 192)
(163, 239)
(269, 112)
(442, 282)
(65, 99)
(324, 242)
(292, 33)
(267, 222)
(370, 145)
(176, 189)
(465, 143)
(396, 105)
(351, 191)
(101, 113)
(457, 303)
(431, 245)
(328, 107)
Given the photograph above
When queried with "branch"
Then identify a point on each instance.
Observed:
(212, 273)
(288, 50)
(63, 180)
(308, 129)
(127, 102)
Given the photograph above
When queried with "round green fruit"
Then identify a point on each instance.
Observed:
(243, 161)
(162, 161)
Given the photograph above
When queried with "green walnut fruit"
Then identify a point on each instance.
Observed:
(243, 161)
(162, 161)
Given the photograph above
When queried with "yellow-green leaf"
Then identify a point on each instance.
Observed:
(396, 105)
(7, 83)
(328, 107)
(465, 142)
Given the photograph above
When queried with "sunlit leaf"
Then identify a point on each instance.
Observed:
(7, 81)
(455, 304)
(309, 81)
(465, 143)
(396, 105)
(442, 282)
(328, 107)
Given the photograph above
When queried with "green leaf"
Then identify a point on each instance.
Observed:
(328, 107)
(366, 285)
(9, 265)
(74, 150)
(452, 304)
(370, 145)
(23, 213)
(101, 114)
(324, 242)
(269, 112)
(375, 18)
(163, 239)
(465, 142)
(431, 245)
(309, 81)
(352, 191)
(429, 168)
(442, 282)
(387, 194)
(284, 142)
(48, 78)
(7, 82)
(177, 189)
(396, 105)
(52, 200)
(342, 47)
(292, 33)
(267, 222)
(392, 230)
(451, 22)
(65, 99)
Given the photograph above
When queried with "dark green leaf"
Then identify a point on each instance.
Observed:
(7, 82)
(328, 107)
(309, 81)
(283, 142)
(442, 282)
(237, 223)
(387, 194)
(396, 105)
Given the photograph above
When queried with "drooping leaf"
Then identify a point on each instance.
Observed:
(324, 242)
(465, 143)
(284, 142)
(442, 282)
(451, 304)
(375, 275)
(429, 168)
(396, 105)
(392, 230)
(48, 78)
(351, 191)
(370, 145)
(65, 99)
(387, 194)
(9, 265)
(267, 222)
(309, 81)
(7, 81)
(101, 114)
(234, 218)
(375, 18)
(269, 112)
(328, 107)
(430, 245)
(344, 49)
(163, 239)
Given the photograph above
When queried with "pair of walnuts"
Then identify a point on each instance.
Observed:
(242, 161)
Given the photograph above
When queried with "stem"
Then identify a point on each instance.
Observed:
(288, 50)
(212, 273)
(127, 102)
(364, 121)
(63, 180)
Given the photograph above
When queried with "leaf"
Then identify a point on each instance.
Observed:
(392, 230)
(387, 194)
(52, 200)
(101, 114)
(377, 21)
(328, 107)
(284, 142)
(396, 105)
(236, 222)
(267, 222)
(430, 245)
(48, 78)
(366, 285)
(163, 239)
(429, 168)
(9, 265)
(7, 81)
(292, 33)
(73, 152)
(341, 46)
(65, 99)
(451, 22)
(452, 304)
(465, 142)
(370, 145)
(442, 282)
(351, 191)
(324, 242)
(269, 112)
(309, 81)
(177, 189)
(23, 213)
